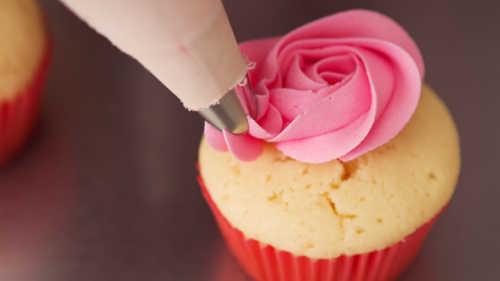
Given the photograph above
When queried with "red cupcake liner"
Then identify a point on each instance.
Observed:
(18, 115)
(263, 262)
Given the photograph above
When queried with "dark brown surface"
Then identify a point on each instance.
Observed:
(106, 190)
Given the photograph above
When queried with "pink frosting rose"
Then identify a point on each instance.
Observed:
(335, 88)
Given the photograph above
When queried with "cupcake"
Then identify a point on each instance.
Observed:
(349, 160)
(24, 58)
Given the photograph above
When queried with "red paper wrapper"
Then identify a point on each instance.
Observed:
(265, 263)
(19, 114)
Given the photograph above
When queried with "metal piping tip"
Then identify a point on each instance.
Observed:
(227, 114)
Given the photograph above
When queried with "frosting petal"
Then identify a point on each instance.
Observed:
(215, 138)
(404, 101)
(244, 147)
(327, 146)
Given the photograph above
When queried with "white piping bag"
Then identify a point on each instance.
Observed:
(187, 44)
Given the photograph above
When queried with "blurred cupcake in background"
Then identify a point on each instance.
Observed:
(24, 59)
(349, 160)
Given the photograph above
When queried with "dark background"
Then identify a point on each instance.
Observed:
(106, 189)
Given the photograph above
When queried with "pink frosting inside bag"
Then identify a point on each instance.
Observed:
(335, 88)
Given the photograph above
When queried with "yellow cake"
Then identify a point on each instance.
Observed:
(335, 208)
(22, 46)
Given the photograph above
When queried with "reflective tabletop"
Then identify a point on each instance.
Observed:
(106, 188)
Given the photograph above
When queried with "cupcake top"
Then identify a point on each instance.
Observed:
(334, 208)
(22, 44)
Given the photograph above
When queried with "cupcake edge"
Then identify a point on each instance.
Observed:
(18, 115)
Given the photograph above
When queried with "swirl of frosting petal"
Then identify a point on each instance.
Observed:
(335, 88)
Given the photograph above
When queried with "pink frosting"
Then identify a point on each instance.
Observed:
(335, 88)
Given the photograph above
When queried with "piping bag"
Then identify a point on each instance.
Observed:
(188, 45)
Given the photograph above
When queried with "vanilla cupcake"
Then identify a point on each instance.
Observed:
(366, 217)
(24, 58)
(349, 159)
